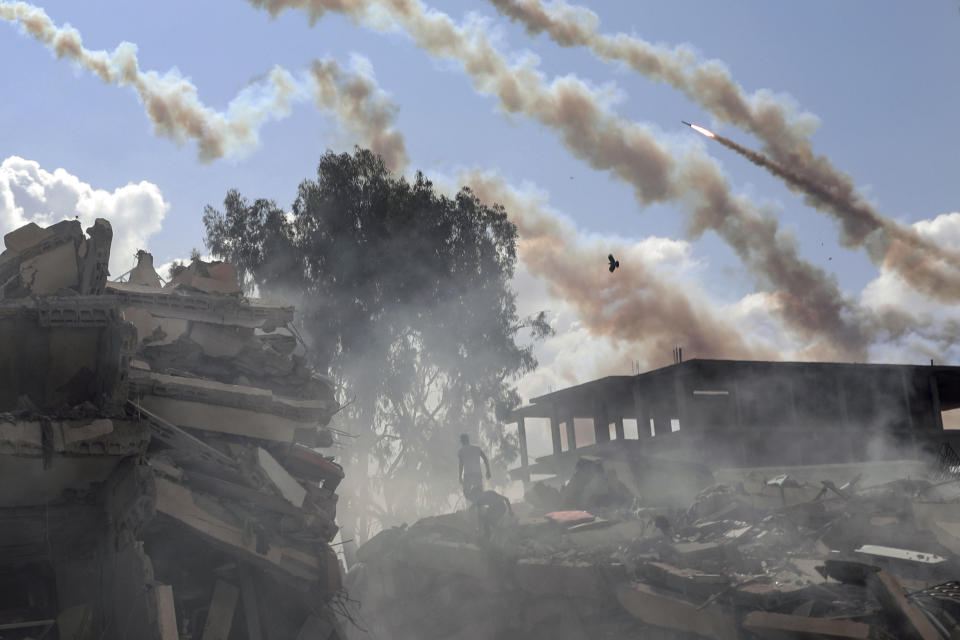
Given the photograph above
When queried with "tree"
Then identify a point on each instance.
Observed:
(404, 297)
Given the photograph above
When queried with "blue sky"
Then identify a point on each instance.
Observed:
(882, 77)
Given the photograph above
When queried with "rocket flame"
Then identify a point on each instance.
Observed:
(706, 132)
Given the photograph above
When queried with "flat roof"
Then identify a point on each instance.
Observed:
(621, 386)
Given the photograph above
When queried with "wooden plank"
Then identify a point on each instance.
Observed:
(774, 625)
(220, 615)
(889, 593)
(166, 612)
(251, 611)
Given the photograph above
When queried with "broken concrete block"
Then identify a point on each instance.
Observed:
(94, 258)
(208, 277)
(220, 615)
(179, 503)
(251, 604)
(49, 272)
(218, 341)
(383, 542)
(144, 273)
(289, 488)
(29, 235)
(177, 303)
(684, 581)
(155, 330)
(166, 613)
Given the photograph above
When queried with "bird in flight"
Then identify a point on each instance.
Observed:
(613, 263)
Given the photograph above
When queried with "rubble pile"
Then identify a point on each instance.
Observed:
(159, 466)
(767, 557)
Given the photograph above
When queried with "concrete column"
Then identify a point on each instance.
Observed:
(618, 425)
(642, 410)
(522, 437)
(555, 434)
(935, 404)
(601, 423)
(906, 398)
(571, 434)
(680, 406)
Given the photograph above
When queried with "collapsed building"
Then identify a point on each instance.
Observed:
(160, 465)
(163, 477)
(709, 499)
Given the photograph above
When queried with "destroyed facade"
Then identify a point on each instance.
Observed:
(159, 466)
(758, 501)
(739, 414)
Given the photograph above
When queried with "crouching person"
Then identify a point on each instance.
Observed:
(491, 510)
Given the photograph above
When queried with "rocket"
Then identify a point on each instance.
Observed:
(699, 129)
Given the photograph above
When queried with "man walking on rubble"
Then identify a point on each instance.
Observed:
(471, 476)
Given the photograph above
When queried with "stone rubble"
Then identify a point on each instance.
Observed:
(160, 471)
(765, 558)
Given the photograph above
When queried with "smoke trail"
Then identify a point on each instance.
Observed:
(651, 314)
(361, 106)
(815, 308)
(176, 112)
(784, 132)
(900, 249)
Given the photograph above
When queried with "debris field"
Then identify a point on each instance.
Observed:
(765, 557)
(160, 466)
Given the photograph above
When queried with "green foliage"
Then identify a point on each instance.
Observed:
(403, 296)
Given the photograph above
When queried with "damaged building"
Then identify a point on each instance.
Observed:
(739, 414)
(160, 453)
(165, 475)
(708, 499)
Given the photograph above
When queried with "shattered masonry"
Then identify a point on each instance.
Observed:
(160, 479)
(159, 472)
(795, 500)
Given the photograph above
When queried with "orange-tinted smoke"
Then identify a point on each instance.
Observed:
(926, 266)
(647, 312)
(629, 151)
(174, 108)
(899, 248)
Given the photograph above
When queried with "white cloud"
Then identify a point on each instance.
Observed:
(934, 336)
(29, 193)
